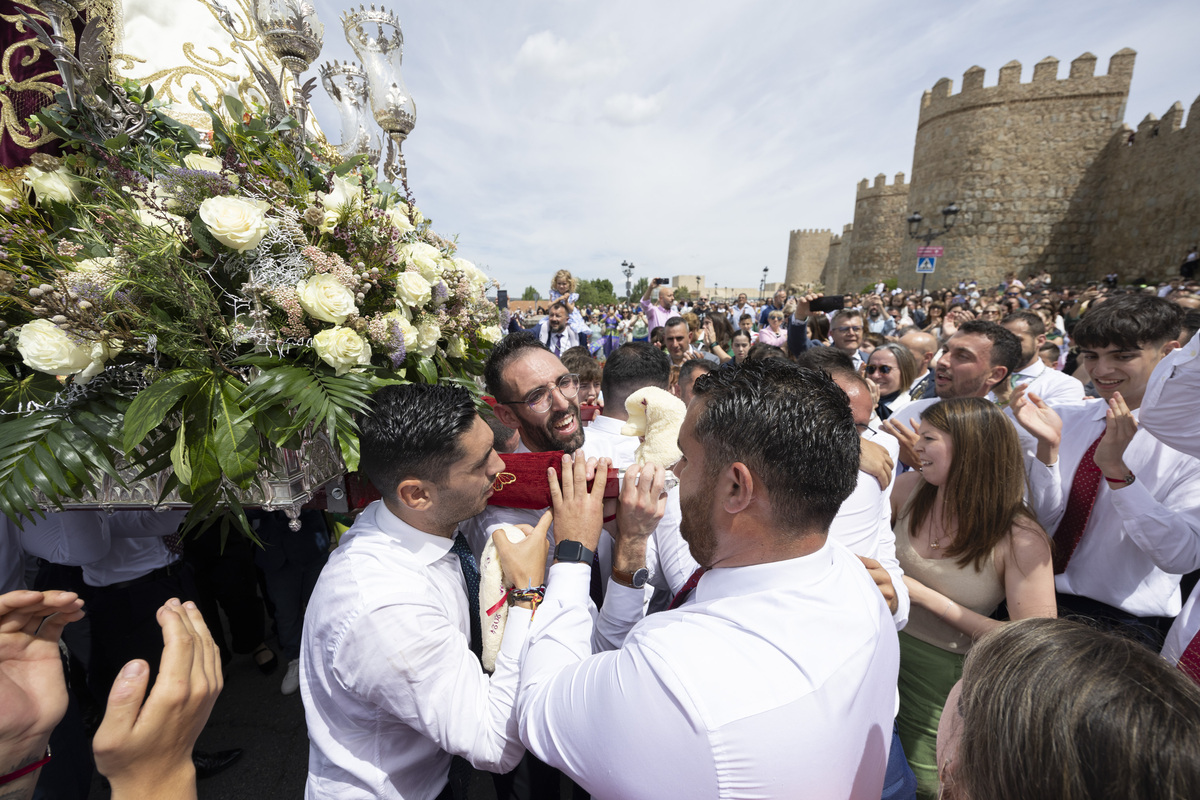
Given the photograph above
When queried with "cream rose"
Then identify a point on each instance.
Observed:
(324, 297)
(60, 185)
(203, 163)
(236, 222)
(343, 193)
(477, 278)
(407, 329)
(412, 289)
(47, 348)
(342, 348)
(11, 194)
(425, 257)
(330, 220)
(399, 216)
(172, 224)
(454, 347)
(428, 334)
(491, 334)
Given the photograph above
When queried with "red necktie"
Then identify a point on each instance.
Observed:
(1189, 662)
(688, 588)
(1079, 508)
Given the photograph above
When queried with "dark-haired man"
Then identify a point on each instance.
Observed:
(689, 371)
(678, 341)
(1049, 384)
(777, 669)
(1123, 508)
(390, 672)
(555, 331)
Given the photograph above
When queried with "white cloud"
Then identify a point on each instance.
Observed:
(556, 58)
(633, 109)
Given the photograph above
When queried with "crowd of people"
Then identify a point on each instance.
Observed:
(913, 546)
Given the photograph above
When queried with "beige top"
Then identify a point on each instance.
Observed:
(979, 591)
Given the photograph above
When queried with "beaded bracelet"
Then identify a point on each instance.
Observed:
(535, 595)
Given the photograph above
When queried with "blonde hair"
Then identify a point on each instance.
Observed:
(562, 273)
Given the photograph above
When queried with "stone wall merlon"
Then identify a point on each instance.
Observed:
(1044, 85)
(881, 186)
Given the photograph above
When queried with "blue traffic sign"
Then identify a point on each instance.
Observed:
(926, 265)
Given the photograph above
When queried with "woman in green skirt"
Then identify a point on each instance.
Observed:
(967, 541)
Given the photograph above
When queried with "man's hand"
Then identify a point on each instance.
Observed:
(145, 749)
(524, 562)
(33, 692)
(642, 502)
(1040, 420)
(1120, 427)
(883, 580)
(876, 462)
(908, 439)
(578, 513)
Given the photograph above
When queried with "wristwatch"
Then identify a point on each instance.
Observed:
(567, 551)
(1121, 482)
(634, 580)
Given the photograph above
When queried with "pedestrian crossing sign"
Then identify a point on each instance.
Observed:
(925, 265)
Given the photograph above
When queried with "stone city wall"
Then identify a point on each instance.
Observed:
(874, 251)
(808, 250)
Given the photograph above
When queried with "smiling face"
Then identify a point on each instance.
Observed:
(563, 285)
(556, 319)
(559, 427)
(746, 324)
(846, 333)
(884, 372)
(965, 369)
(1113, 369)
(935, 454)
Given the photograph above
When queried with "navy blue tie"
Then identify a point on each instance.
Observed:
(470, 570)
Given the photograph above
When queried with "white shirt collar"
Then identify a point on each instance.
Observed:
(1032, 371)
(426, 548)
(605, 424)
(731, 581)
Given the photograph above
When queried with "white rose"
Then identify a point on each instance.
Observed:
(427, 337)
(412, 289)
(342, 348)
(425, 257)
(236, 222)
(399, 217)
(343, 193)
(478, 279)
(11, 194)
(60, 185)
(407, 330)
(454, 347)
(47, 348)
(491, 334)
(330, 221)
(203, 163)
(324, 297)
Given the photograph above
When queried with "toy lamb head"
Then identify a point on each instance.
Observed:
(655, 415)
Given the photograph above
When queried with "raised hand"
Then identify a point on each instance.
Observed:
(524, 562)
(1120, 427)
(578, 513)
(908, 439)
(643, 501)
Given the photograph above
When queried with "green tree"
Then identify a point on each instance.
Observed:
(596, 293)
(530, 293)
(682, 294)
(639, 288)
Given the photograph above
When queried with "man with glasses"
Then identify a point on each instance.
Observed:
(846, 333)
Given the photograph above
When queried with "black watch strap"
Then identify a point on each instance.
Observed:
(568, 551)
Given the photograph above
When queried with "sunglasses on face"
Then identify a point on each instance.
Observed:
(882, 369)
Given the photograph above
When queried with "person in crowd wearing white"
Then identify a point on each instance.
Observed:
(1124, 507)
(1049, 384)
(395, 696)
(770, 451)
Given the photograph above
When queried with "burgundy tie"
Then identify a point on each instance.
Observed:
(688, 588)
(1189, 662)
(1079, 508)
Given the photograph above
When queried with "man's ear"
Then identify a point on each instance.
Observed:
(1169, 347)
(736, 488)
(997, 376)
(414, 494)
(507, 416)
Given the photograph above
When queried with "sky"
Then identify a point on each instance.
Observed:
(691, 137)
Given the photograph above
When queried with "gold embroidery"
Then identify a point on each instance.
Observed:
(20, 98)
(503, 479)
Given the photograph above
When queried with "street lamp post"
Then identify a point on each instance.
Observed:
(949, 214)
(762, 285)
(627, 270)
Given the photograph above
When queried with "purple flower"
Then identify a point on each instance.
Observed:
(399, 351)
(440, 292)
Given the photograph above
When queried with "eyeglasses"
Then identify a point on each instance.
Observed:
(539, 399)
(848, 329)
(864, 428)
(882, 369)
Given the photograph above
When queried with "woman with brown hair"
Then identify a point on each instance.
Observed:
(967, 541)
(718, 335)
(933, 322)
(1052, 709)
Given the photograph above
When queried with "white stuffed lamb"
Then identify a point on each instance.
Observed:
(492, 585)
(656, 415)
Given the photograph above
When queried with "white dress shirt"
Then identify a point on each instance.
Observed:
(564, 340)
(1054, 387)
(391, 688)
(774, 680)
(863, 526)
(1170, 405)
(1139, 539)
(110, 548)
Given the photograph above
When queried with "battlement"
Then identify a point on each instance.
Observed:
(881, 186)
(1081, 81)
(1152, 131)
(801, 231)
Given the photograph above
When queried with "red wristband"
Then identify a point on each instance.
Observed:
(23, 771)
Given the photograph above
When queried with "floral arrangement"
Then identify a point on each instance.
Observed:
(192, 302)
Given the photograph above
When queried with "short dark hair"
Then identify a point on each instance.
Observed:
(761, 350)
(1129, 322)
(578, 360)
(676, 320)
(558, 304)
(1006, 347)
(832, 362)
(694, 365)
(1032, 319)
(507, 350)
(412, 431)
(745, 316)
(634, 366)
(794, 430)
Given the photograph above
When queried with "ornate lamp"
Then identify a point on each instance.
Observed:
(292, 33)
(379, 44)
(346, 85)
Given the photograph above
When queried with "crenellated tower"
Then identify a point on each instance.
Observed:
(874, 249)
(808, 250)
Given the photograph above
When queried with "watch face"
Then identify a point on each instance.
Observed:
(640, 577)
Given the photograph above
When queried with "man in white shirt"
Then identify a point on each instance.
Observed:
(1049, 384)
(1123, 508)
(777, 675)
(390, 671)
(555, 332)
(742, 307)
